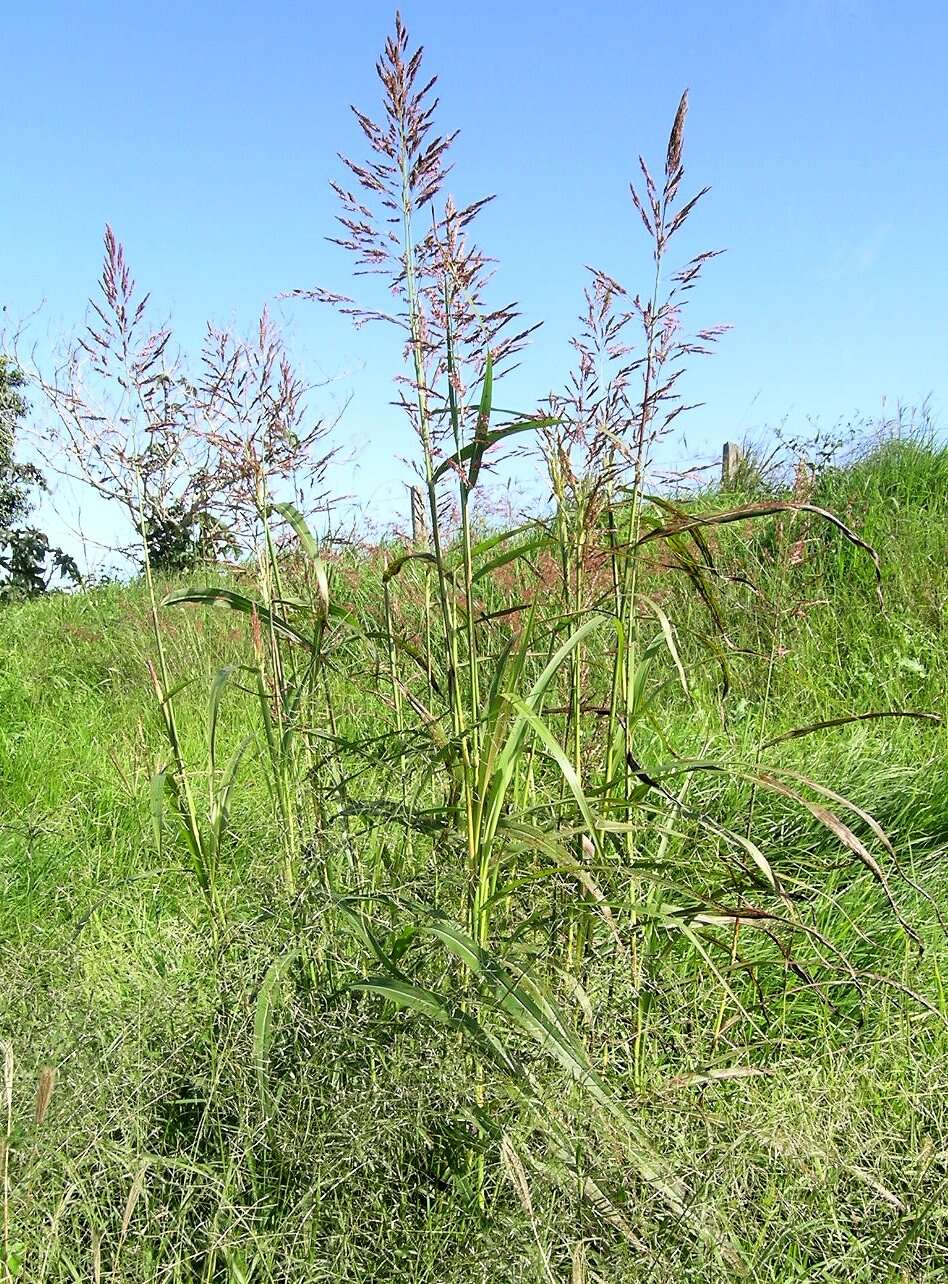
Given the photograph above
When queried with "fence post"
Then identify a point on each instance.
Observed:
(730, 463)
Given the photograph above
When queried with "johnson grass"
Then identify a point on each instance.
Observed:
(551, 901)
(342, 1049)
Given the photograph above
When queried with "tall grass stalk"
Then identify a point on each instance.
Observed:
(551, 805)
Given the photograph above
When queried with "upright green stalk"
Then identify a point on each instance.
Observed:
(203, 851)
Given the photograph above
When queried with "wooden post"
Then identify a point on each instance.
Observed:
(419, 527)
(730, 463)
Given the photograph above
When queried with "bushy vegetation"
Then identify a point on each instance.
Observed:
(550, 902)
(28, 563)
(277, 1071)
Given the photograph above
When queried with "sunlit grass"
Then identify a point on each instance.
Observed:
(812, 1126)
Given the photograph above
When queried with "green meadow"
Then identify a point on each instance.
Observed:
(676, 1016)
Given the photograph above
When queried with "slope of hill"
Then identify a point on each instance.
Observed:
(242, 1094)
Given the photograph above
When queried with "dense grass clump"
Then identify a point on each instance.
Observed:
(559, 900)
(283, 1074)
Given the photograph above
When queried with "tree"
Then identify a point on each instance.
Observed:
(28, 563)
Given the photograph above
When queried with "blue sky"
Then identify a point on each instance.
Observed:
(206, 133)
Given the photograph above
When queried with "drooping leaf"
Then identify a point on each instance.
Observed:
(241, 603)
(475, 450)
(848, 718)
(771, 508)
(298, 522)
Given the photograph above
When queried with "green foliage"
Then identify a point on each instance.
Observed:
(15, 479)
(28, 562)
(178, 538)
(488, 902)
(307, 1099)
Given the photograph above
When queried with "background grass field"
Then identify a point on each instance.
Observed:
(228, 1107)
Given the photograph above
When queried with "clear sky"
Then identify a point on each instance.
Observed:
(206, 132)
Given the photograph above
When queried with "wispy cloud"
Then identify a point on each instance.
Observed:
(860, 256)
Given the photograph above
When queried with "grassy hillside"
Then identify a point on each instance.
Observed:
(233, 1103)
